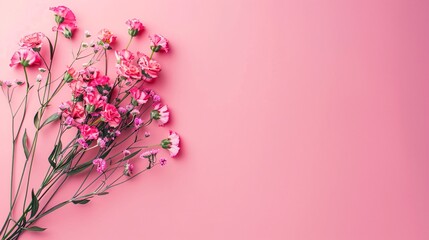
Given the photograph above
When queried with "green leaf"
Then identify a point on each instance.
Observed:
(131, 155)
(105, 153)
(54, 154)
(51, 48)
(83, 201)
(36, 119)
(35, 229)
(34, 204)
(24, 144)
(50, 119)
(79, 168)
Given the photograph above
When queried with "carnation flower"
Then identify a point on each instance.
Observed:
(88, 132)
(106, 37)
(111, 115)
(150, 153)
(158, 43)
(150, 68)
(138, 122)
(100, 164)
(33, 41)
(124, 56)
(134, 26)
(171, 143)
(25, 57)
(160, 114)
(140, 97)
(129, 71)
(65, 19)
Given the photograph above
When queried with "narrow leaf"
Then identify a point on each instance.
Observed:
(35, 229)
(79, 168)
(83, 201)
(50, 119)
(131, 155)
(24, 144)
(51, 48)
(102, 193)
(36, 120)
(54, 154)
(34, 204)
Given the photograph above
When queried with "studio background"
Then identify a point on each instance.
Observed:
(300, 120)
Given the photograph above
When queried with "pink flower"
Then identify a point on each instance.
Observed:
(162, 161)
(111, 115)
(65, 19)
(139, 96)
(82, 143)
(134, 26)
(88, 132)
(33, 40)
(128, 169)
(101, 143)
(90, 73)
(160, 114)
(100, 164)
(124, 56)
(138, 122)
(171, 143)
(100, 81)
(150, 153)
(94, 101)
(126, 153)
(150, 67)
(75, 110)
(24, 56)
(106, 36)
(158, 43)
(129, 71)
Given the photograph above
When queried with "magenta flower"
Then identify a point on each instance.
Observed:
(158, 43)
(160, 114)
(126, 152)
(162, 161)
(138, 122)
(134, 26)
(88, 132)
(100, 164)
(33, 41)
(171, 143)
(128, 169)
(25, 57)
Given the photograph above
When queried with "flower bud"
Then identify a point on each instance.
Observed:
(59, 19)
(67, 77)
(154, 114)
(133, 32)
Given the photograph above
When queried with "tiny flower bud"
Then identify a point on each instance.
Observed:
(42, 70)
(85, 45)
(87, 34)
(39, 78)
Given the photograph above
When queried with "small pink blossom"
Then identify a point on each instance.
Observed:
(33, 40)
(158, 43)
(82, 143)
(171, 143)
(161, 114)
(100, 164)
(139, 96)
(134, 26)
(106, 37)
(150, 153)
(150, 67)
(69, 121)
(128, 169)
(117, 133)
(111, 115)
(146, 134)
(138, 122)
(101, 143)
(25, 57)
(162, 161)
(126, 152)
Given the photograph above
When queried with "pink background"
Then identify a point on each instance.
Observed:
(300, 120)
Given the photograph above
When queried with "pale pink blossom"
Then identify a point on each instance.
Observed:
(101, 143)
(25, 57)
(134, 26)
(128, 169)
(124, 56)
(171, 143)
(100, 164)
(111, 115)
(138, 122)
(33, 40)
(82, 143)
(158, 43)
(150, 67)
(129, 71)
(161, 114)
(150, 153)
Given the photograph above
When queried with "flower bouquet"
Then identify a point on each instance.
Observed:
(101, 129)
